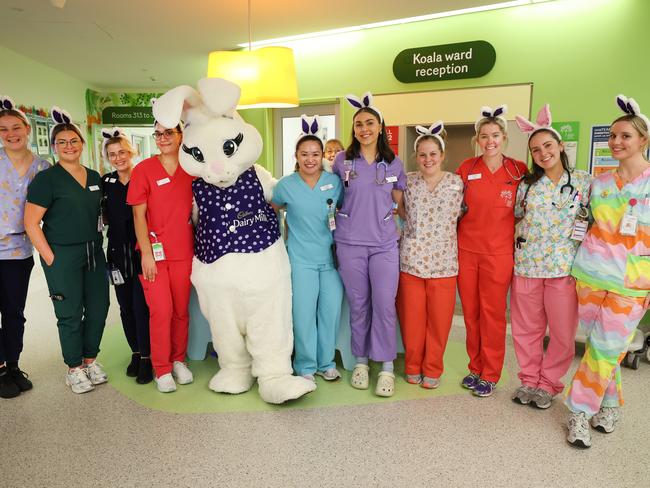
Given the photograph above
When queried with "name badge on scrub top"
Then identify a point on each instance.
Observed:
(329, 186)
(391, 179)
(158, 251)
(93, 188)
(475, 176)
(629, 221)
(164, 181)
(112, 180)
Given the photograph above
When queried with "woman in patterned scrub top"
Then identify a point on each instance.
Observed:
(428, 259)
(18, 166)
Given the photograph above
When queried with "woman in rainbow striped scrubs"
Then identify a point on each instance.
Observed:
(612, 269)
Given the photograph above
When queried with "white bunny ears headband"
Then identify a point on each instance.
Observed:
(7, 103)
(310, 126)
(364, 102)
(433, 130)
(630, 107)
(108, 134)
(61, 116)
(543, 122)
(489, 112)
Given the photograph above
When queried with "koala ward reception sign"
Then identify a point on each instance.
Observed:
(471, 59)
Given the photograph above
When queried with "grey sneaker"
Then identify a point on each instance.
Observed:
(331, 374)
(95, 373)
(541, 398)
(605, 420)
(523, 395)
(77, 380)
(579, 435)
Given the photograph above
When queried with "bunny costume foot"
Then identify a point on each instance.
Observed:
(241, 270)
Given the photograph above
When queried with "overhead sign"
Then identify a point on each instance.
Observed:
(445, 62)
(127, 116)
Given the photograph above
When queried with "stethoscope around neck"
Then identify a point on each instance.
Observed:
(352, 174)
(567, 194)
(463, 206)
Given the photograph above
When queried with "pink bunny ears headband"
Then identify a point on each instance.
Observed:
(7, 103)
(363, 102)
(108, 134)
(630, 107)
(433, 130)
(543, 122)
(489, 112)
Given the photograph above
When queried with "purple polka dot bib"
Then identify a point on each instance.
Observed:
(234, 219)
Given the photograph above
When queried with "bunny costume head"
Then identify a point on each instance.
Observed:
(217, 144)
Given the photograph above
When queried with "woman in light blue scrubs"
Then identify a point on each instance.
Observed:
(310, 196)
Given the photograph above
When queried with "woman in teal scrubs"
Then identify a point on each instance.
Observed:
(310, 196)
(66, 198)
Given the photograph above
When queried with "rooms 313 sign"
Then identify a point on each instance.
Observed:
(445, 62)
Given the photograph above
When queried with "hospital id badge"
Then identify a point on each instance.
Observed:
(116, 277)
(579, 230)
(331, 221)
(158, 251)
(628, 225)
(100, 224)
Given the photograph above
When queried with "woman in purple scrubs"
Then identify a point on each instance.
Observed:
(366, 240)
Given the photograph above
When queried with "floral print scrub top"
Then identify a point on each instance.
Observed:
(429, 246)
(547, 224)
(14, 243)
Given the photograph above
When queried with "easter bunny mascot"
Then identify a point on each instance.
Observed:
(240, 270)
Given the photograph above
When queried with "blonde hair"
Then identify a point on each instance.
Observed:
(499, 121)
(123, 141)
(640, 126)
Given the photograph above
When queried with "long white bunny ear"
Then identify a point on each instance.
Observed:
(168, 110)
(220, 96)
(631, 107)
(354, 101)
(364, 102)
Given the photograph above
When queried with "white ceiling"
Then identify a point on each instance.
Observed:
(121, 44)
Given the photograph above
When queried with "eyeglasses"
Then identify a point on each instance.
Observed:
(64, 143)
(120, 154)
(168, 133)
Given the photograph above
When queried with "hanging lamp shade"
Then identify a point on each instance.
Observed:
(266, 76)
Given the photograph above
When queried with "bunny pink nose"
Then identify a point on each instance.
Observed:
(216, 167)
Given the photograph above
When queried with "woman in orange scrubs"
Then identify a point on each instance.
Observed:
(485, 249)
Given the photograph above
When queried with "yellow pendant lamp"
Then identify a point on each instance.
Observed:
(266, 76)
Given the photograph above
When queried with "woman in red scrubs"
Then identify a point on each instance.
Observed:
(160, 193)
(485, 249)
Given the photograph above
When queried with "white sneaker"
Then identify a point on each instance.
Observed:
(95, 373)
(165, 383)
(329, 374)
(605, 420)
(182, 373)
(578, 426)
(78, 381)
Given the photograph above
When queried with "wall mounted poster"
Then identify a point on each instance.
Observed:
(600, 156)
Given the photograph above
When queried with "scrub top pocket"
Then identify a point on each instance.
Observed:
(637, 272)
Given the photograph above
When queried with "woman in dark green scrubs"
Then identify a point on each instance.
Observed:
(66, 198)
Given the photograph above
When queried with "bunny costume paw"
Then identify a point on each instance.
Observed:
(241, 270)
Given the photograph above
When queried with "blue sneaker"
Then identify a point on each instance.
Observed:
(484, 388)
(470, 381)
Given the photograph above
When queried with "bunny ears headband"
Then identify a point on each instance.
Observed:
(108, 134)
(489, 112)
(363, 102)
(7, 103)
(630, 107)
(310, 126)
(433, 130)
(543, 122)
(61, 116)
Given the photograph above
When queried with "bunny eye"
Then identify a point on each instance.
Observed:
(195, 152)
(231, 145)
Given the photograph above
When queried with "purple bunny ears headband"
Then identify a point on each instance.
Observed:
(310, 126)
(489, 112)
(433, 130)
(108, 134)
(364, 102)
(7, 103)
(61, 116)
(543, 122)
(630, 107)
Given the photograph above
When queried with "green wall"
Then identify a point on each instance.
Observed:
(579, 54)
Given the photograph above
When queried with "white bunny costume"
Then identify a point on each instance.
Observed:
(240, 270)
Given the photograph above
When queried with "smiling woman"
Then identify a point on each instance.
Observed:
(66, 198)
